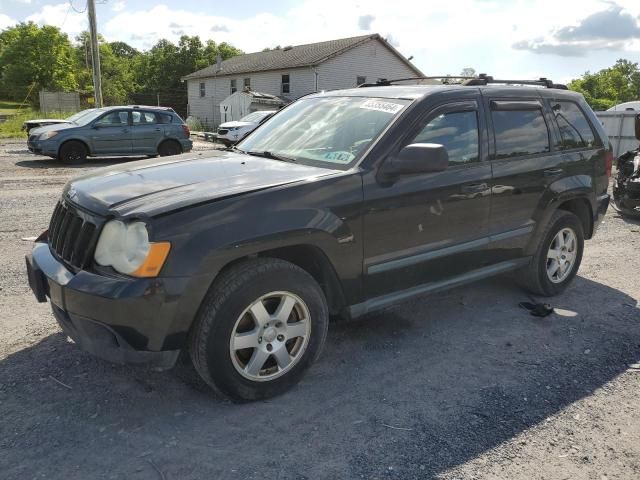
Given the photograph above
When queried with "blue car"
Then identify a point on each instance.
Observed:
(113, 131)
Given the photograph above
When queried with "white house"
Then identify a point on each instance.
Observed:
(292, 72)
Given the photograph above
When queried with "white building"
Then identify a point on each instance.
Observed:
(292, 72)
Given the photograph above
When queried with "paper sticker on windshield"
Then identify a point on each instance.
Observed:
(339, 157)
(382, 106)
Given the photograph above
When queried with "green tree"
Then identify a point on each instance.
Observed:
(610, 86)
(33, 58)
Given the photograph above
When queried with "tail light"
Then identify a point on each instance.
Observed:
(187, 132)
(608, 162)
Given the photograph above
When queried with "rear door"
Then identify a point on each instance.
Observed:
(146, 131)
(427, 227)
(523, 163)
(111, 134)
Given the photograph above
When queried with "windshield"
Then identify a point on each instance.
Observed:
(86, 116)
(255, 116)
(325, 131)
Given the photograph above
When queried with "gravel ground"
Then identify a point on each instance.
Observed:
(456, 385)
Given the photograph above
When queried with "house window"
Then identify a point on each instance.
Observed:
(285, 84)
(247, 83)
(360, 80)
(234, 89)
(202, 89)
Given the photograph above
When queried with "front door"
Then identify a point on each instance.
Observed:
(427, 227)
(111, 134)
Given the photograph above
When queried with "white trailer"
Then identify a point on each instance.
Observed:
(620, 127)
(240, 104)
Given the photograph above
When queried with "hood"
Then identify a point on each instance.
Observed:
(155, 186)
(236, 124)
(48, 128)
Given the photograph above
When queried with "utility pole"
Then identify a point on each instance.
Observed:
(95, 53)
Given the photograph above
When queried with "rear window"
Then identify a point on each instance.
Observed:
(519, 133)
(575, 131)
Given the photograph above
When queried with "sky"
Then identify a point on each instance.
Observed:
(557, 39)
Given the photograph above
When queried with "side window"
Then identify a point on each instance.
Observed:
(202, 89)
(247, 83)
(116, 118)
(457, 132)
(360, 80)
(520, 132)
(142, 118)
(233, 86)
(575, 131)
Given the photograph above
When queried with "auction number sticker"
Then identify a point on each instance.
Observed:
(382, 106)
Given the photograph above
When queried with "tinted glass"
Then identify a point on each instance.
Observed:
(519, 133)
(114, 118)
(575, 131)
(325, 131)
(457, 131)
(256, 116)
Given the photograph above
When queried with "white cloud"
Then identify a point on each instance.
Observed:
(118, 6)
(60, 15)
(6, 21)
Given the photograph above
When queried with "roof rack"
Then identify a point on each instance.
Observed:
(481, 79)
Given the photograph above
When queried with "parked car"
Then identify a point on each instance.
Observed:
(345, 202)
(42, 122)
(113, 131)
(230, 133)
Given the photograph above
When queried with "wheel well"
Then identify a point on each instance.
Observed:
(312, 260)
(75, 140)
(581, 208)
(170, 140)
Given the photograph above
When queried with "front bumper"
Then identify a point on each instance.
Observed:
(42, 147)
(121, 320)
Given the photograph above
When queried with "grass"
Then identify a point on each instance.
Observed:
(9, 108)
(12, 127)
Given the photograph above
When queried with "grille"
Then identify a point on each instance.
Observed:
(222, 131)
(72, 236)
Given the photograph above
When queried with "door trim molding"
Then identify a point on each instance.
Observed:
(413, 256)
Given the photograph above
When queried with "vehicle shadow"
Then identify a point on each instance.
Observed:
(411, 392)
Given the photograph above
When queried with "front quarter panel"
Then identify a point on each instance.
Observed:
(324, 213)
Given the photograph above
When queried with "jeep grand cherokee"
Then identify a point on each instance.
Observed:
(342, 203)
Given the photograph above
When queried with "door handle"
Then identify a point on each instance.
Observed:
(474, 187)
(553, 172)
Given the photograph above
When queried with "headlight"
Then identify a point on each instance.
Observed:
(48, 135)
(127, 249)
(233, 129)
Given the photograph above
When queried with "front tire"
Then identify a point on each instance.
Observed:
(261, 326)
(557, 258)
(73, 153)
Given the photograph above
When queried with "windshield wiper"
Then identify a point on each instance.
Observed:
(272, 156)
(236, 149)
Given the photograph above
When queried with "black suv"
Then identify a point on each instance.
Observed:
(342, 203)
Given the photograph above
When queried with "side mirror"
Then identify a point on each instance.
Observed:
(418, 158)
(638, 126)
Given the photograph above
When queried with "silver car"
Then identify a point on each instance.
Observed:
(113, 131)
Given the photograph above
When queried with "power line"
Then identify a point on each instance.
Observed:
(76, 10)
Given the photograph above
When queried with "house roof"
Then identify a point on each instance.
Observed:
(292, 57)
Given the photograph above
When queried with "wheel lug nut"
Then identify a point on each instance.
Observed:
(280, 338)
(269, 347)
(259, 339)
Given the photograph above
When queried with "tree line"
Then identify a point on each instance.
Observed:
(33, 58)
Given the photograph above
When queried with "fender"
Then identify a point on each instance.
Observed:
(575, 187)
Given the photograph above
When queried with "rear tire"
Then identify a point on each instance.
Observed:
(261, 326)
(169, 148)
(73, 153)
(557, 258)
